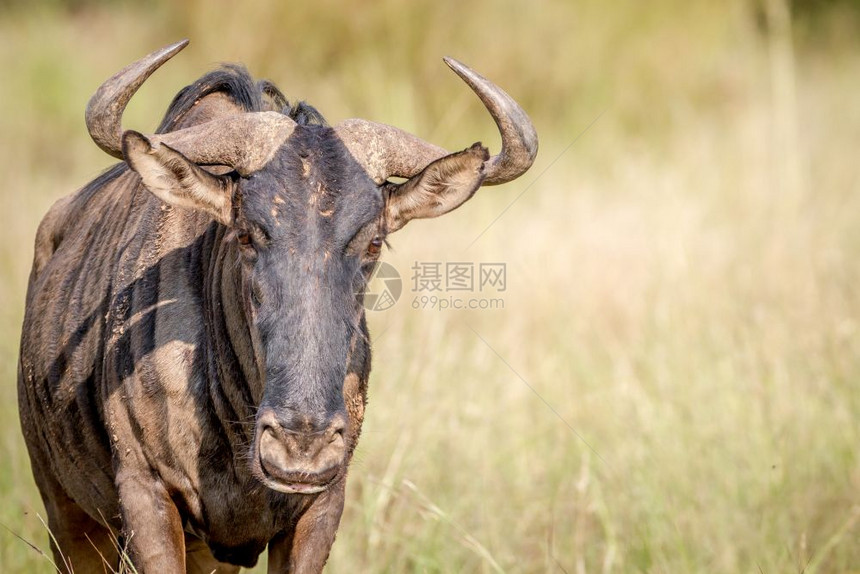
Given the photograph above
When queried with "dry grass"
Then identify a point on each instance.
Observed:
(671, 386)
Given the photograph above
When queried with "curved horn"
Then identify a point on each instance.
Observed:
(519, 138)
(105, 108)
(246, 142)
(386, 151)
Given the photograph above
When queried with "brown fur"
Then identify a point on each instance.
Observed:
(140, 376)
(118, 429)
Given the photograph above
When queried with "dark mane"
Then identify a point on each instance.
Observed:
(234, 81)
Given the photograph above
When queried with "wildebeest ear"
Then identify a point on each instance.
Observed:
(176, 180)
(442, 186)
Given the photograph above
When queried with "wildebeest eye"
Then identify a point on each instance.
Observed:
(375, 246)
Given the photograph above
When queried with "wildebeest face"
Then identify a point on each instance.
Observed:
(308, 227)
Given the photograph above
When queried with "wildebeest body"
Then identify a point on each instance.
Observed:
(134, 291)
(194, 360)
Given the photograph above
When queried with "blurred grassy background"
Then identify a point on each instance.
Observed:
(682, 280)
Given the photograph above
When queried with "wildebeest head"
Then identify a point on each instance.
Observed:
(309, 207)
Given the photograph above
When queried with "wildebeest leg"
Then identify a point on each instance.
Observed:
(199, 559)
(84, 543)
(306, 551)
(151, 524)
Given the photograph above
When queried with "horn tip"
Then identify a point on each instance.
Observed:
(468, 75)
(455, 64)
(176, 47)
(167, 52)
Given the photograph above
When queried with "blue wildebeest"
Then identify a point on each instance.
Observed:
(194, 359)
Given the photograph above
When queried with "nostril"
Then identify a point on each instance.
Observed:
(272, 450)
(267, 435)
(336, 429)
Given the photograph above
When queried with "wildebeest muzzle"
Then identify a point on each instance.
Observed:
(298, 453)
